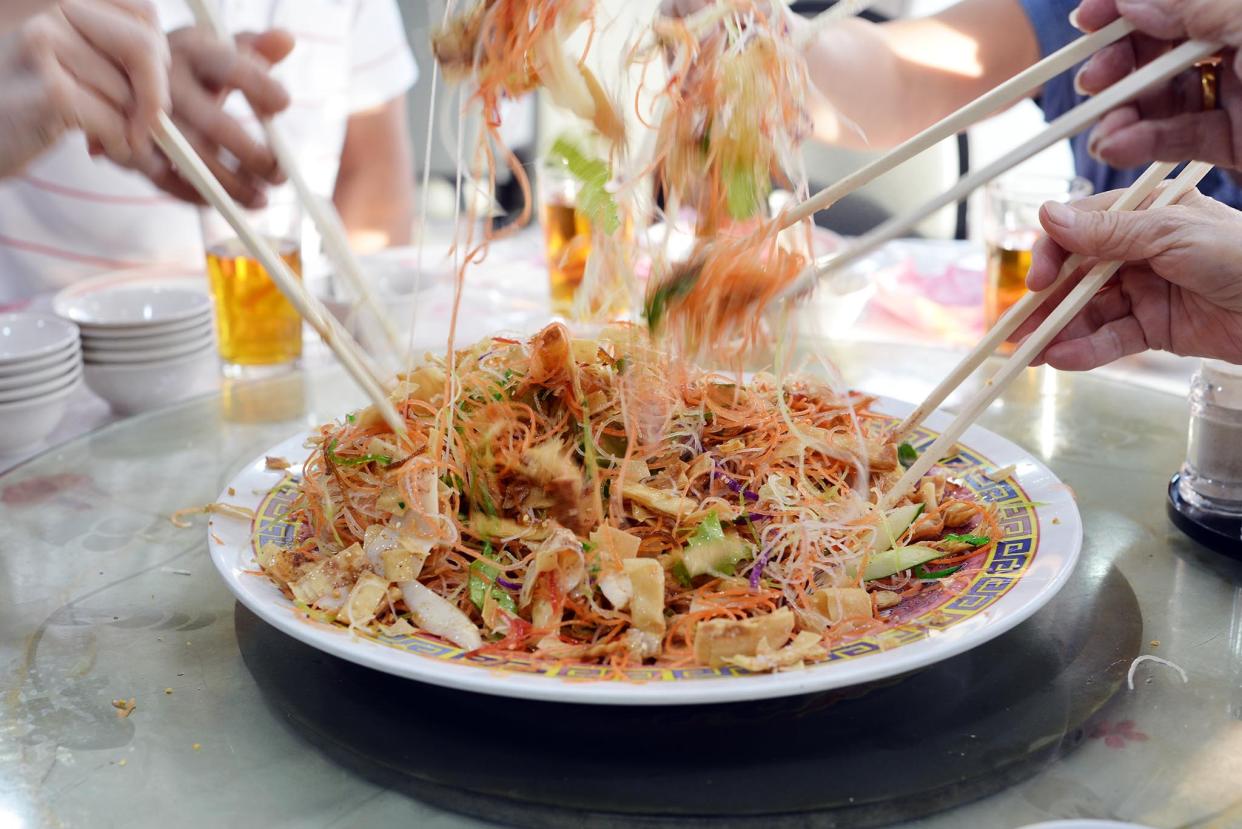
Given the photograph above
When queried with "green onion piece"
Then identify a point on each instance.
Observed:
(907, 455)
(709, 529)
(678, 284)
(744, 193)
(483, 579)
(972, 540)
(921, 572)
(680, 573)
(359, 461)
(593, 175)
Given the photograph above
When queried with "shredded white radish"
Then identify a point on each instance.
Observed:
(1148, 658)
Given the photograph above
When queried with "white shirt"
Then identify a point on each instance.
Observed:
(68, 215)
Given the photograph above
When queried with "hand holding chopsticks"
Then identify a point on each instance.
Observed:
(1031, 347)
(1023, 308)
(322, 214)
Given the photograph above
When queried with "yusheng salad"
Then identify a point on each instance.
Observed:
(594, 501)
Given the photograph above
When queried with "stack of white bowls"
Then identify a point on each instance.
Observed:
(40, 367)
(144, 346)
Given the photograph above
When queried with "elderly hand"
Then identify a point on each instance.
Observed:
(1180, 292)
(204, 72)
(99, 66)
(1171, 123)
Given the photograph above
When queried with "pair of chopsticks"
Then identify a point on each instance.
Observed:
(195, 170)
(1070, 306)
(1071, 123)
(179, 150)
(1078, 119)
(324, 217)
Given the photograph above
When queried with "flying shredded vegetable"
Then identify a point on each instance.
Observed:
(735, 115)
(507, 48)
(711, 304)
(597, 501)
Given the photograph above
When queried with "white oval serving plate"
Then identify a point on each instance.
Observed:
(1043, 536)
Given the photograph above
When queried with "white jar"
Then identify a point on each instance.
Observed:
(1211, 478)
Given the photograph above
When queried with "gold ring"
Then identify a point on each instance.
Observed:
(1209, 82)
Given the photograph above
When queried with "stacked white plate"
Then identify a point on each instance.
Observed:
(40, 366)
(144, 345)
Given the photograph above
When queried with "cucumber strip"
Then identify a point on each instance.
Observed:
(897, 559)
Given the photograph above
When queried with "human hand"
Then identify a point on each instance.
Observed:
(1181, 290)
(1172, 122)
(204, 72)
(99, 66)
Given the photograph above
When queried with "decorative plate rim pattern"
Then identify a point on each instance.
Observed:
(1023, 571)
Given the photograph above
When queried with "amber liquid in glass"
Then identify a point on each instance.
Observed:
(256, 325)
(567, 233)
(1006, 279)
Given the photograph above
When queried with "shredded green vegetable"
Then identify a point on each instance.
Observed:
(972, 540)
(907, 455)
(483, 578)
(358, 461)
(743, 193)
(921, 572)
(592, 175)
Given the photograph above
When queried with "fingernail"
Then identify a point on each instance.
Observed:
(1078, 87)
(1059, 214)
(1073, 20)
(1093, 146)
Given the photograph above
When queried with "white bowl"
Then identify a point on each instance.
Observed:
(69, 377)
(27, 337)
(148, 342)
(129, 307)
(138, 387)
(69, 352)
(39, 376)
(121, 333)
(93, 357)
(28, 422)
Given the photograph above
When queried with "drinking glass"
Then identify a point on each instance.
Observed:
(257, 328)
(566, 234)
(1011, 226)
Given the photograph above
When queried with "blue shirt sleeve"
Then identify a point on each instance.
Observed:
(1050, 22)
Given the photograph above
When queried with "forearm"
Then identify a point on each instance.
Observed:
(376, 208)
(375, 187)
(879, 84)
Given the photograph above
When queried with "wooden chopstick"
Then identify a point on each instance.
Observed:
(1069, 307)
(1131, 199)
(322, 214)
(1074, 121)
(1007, 94)
(195, 171)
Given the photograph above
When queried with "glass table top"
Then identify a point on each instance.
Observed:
(102, 599)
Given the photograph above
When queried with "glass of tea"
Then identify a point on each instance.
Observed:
(1011, 226)
(566, 233)
(257, 327)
